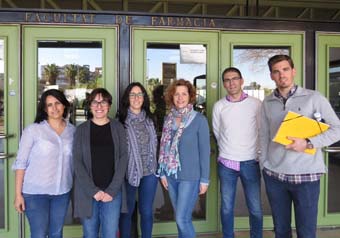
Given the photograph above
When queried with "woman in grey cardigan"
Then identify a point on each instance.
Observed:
(100, 162)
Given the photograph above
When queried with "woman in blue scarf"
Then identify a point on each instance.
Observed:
(184, 154)
(134, 113)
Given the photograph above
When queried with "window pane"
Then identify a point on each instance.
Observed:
(73, 67)
(76, 69)
(252, 62)
(2, 131)
(334, 158)
(165, 63)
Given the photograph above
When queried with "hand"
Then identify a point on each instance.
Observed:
(99, 196)
(203, 188)
(298, 144)
(19, 203)
(164, 182)
(107, 198)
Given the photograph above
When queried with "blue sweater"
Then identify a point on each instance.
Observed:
(194, 151)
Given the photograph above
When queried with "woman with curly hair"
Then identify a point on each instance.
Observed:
(184, 154)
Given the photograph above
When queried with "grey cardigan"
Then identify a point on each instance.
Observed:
(84, 187)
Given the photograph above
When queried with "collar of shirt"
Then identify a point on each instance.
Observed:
(243, 96)
(291, 93)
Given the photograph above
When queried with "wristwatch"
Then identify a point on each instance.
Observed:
(309, 144)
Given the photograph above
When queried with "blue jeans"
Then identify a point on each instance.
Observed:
(146, 194)
(46, 214)
(304, 197)
(183, 195)
(104, 219)
(251, 181)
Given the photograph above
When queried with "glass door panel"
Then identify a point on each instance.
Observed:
(250, 52)
(74, 60)
(328, 83)
(165, 63)
(252, 62)
(2, 162)
(333, 196)
(159, 57)
(75, 67)
(9, 121)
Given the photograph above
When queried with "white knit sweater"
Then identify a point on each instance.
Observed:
(236, 128)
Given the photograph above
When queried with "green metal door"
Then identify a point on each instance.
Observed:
(250, 51)
(9, 126)
(74, 60)
(328, 83)
(158, 57)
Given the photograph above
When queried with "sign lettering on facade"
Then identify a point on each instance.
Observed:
(59, 18)
(77, 18)
(182, 22)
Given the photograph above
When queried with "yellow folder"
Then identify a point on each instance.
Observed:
(296, 125)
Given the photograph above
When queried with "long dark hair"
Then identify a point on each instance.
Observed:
(125, 103)
(41, 113)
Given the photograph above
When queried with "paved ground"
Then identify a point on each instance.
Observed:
(322, 233)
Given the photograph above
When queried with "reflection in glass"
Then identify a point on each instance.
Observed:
(76, 69)
(2, 131)
(334, 158)
(165, 63)
(73, 67)
(252, 62)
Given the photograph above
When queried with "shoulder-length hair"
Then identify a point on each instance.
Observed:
(41, 110)
(171, 90)
(125, 102)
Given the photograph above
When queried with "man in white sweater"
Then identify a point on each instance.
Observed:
(236, 127)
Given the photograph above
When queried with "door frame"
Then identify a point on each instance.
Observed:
(140, 38)
(325, 41)
(11, 35)
(293, 40)
(32, 34)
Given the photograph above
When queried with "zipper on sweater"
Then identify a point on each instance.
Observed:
(284, 100)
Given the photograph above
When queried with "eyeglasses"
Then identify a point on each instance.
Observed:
(231, 80)
(103, 103)
(136, 95)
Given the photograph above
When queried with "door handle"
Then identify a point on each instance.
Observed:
(6, 156)
(331, 149)
(6, 136)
